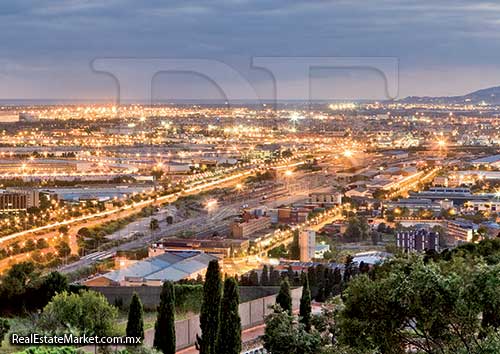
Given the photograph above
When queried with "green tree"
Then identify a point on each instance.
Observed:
(253, 278)
(487, 291)
(63, 249)
(210, 310)
(64, 229)
(349, 268)
(42, 243)
(54, 283)
(284, 297)
(230, 321)
(135, 323)
(305, 304)
(382, 227)
(29, 245)
(20, 286)
(274, 276)
(84, 232)
(264, 278)
(87, 311)
(165, 322)
(19, 277)
(357, 229)
(411, 303)
(284, 336)
(294, 249)
(157, 173)
(154, 224)
(4, 329)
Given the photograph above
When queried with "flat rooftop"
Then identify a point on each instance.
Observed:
(169, 266)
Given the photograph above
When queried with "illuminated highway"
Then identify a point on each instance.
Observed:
(95, 218)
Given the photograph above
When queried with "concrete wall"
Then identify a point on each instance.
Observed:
(150, 295)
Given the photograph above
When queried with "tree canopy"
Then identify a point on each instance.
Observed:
(283, 335)
(88, 312)
(284, 297)
(432, 303)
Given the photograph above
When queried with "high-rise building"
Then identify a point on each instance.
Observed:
(418, 240)
(14, 200)
(32, 195)
(307, 245)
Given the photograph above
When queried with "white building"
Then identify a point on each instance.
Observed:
(320, 251)
(490, 161)
(307, 245)
(326, 198)
(492, 205)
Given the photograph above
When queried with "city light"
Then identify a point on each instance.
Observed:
(211, 204)
(442, 143)
(348, 153)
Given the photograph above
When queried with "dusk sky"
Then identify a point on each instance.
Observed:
(443, 47)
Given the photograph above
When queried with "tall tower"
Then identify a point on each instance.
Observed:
(307, 245)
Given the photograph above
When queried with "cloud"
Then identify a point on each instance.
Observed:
(424, 34)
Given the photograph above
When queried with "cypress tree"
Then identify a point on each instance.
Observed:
(290, 274)
(311, 274)
(320, 283)
(264, 278)
(320, 296)
(274, 277)
(302, 277)
(284, 298)
(254, 278)
(210, 310)
(337, 281)
(294, 246)
(328, 282)
(348, 271)
(230, 320)
(135, 323)
(363, 267)
(305, 304)
(165, 322)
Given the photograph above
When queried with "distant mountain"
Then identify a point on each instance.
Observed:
(489, 96)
